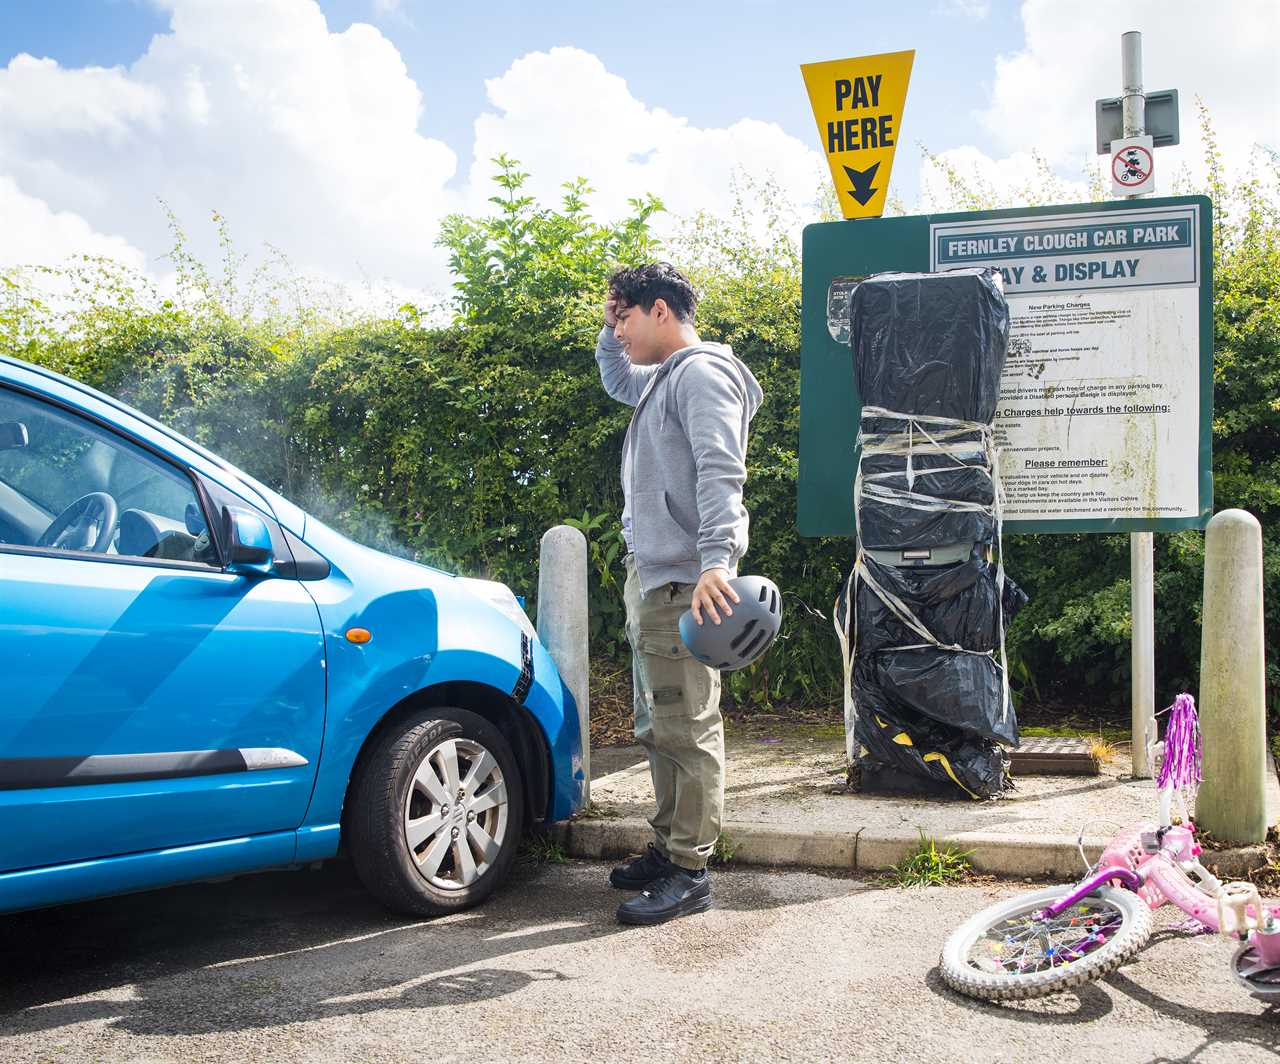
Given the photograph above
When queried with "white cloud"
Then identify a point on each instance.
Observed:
(38, 96)
(302, 138)
(310, 140)
(1043, 95)
(36, 235)
(563, 114)
(307, 140)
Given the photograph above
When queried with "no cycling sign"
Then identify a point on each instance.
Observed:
(1133, 167)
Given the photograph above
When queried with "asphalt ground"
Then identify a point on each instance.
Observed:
(788, 966)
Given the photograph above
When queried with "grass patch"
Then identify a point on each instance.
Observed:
(781, 722)
(930, 865)
(542, 848)
(825, 732)
(723, 851)
(1112, 736)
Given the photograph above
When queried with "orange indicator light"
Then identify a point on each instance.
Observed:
(358, 635)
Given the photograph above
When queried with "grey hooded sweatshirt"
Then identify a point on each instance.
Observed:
(684, 459)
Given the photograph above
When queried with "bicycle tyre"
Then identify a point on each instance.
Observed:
(966, 978)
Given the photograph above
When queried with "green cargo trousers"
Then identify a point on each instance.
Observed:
(678, 722)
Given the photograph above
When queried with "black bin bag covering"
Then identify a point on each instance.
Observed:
(919, 746)
(930, 343)
(927, 690)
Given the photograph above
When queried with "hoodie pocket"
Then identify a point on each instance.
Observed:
(659, 539)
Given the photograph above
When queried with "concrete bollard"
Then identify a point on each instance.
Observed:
(562, 621)
(1232, 801)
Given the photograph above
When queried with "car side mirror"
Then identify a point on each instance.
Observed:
(248, 542)
(13, 434)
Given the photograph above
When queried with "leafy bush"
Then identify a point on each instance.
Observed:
(459, 440)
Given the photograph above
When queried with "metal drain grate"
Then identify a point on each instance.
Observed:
(1054, 755)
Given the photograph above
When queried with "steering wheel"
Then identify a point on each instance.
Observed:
(87, 524)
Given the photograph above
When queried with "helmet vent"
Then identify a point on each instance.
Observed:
(742, 636)
(745, 632)
(750, 648)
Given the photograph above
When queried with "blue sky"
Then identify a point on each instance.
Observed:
(341, 131)
(710, 62)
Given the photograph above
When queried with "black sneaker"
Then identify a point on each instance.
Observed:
(639, 872)
(678, 893)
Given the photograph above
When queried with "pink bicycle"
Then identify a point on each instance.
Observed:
(1064, 936)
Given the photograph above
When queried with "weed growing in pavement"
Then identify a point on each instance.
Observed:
(542, 848)
(593, 810)
(930, 865)
(723, 851)
(1100, 749)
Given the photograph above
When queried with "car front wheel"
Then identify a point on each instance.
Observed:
(436, 814)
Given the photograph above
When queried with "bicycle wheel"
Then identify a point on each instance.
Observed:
(1008, 951)
(1261, 981)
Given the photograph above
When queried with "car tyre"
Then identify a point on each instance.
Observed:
(436, 812)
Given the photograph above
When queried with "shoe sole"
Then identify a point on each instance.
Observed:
(699, 906)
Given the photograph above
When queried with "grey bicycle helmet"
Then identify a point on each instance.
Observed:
(743, 637)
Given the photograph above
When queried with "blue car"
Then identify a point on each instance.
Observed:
(197, 679)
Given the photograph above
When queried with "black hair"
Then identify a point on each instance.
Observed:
(640, 286)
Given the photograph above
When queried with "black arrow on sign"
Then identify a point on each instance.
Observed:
(861, 180)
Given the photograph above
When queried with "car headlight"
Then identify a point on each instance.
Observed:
(501, 598)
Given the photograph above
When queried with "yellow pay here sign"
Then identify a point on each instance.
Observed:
(858, 105)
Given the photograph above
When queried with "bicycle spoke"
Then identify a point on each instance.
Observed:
(1025, 944)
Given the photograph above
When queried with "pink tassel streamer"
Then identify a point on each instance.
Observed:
(1181, 768)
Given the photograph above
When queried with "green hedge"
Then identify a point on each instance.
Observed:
(458, 440)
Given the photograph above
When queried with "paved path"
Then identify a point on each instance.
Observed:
(789, 966)
(786, 805)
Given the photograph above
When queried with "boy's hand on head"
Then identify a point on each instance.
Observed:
(713, 591)
(611, 313)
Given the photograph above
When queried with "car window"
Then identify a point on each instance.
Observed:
(66, 483)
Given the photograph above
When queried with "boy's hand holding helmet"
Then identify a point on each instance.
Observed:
(744, 634)
(713, 590)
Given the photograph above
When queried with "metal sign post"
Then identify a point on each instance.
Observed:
(1141, 544)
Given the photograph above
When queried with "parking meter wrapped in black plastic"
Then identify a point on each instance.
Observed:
(923, 615)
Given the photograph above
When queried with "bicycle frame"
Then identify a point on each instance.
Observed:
(1158, 863)
(1087, 886)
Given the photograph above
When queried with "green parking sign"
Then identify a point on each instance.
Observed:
(1106, 402)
